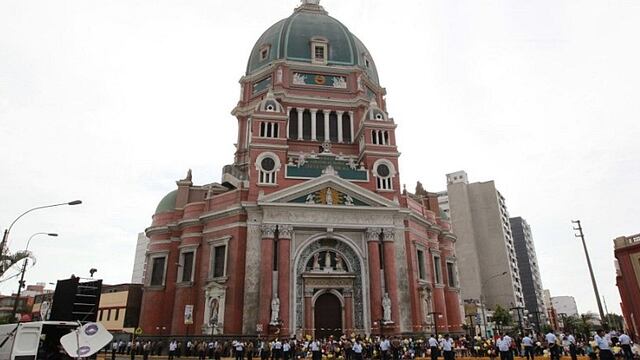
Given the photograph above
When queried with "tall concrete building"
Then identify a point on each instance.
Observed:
(528, 268)
(137, 276)
(488, 268)
(565, 305)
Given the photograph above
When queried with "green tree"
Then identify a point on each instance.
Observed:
(7, 260)
(501, 316)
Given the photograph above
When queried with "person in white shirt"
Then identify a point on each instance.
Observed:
(554, 350)
(286, 348)
(357, 350)
(447, 348)
(315, 350)
(173, 346)
(504, 346)
(572, 347)
(384, 348)
(527, 344)
(603, 344)
(625, 344)
(433, 347)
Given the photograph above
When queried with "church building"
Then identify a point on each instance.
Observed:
(308, 231)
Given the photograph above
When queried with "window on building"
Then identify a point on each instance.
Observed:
(437, 271)
(384, 177)
(157, 271)
(100, 315)
(320, 126)
(187, 266)
(268, 129)
(264, 53)
(333, 127)
(219, 259)
(318, 53)
(421, 271)
(306, 125)
(267, 167)
(293, 124)
(117, 314)
(346, 128)
(451, 274)
(108, 314)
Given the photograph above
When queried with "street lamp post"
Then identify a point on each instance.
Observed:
(24, 269)
(435, 320)
(5, 236)
(517, 309)
(483, 300)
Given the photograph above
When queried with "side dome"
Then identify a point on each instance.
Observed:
(291, 38)
(168, 203)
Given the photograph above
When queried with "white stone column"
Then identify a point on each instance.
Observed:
(326, 125)
(313, 123)
(340, 125)
(351, 121)
(300, 112)
(288, 122)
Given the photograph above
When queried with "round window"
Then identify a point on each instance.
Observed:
(270, 107)
(268, 164)
(383, 170)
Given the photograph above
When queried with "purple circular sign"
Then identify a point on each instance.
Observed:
(91, 329)
(83, 350)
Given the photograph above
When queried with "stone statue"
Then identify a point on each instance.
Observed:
(275, 311)
(327, 261)
(316, 261)
(386, 308)
(329, 196)
(214, 306)
(339, 266)
(279, 75)
(311, 199)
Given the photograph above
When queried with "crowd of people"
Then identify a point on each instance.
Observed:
(606, 346)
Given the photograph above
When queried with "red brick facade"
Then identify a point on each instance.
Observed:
(312, 205)
(627, 253)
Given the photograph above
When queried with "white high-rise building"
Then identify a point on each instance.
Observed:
(565, 305)
(137, 277)
(487, 262)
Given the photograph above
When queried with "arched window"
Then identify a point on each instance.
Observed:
(293, 124)
(346, 128)
(333, 127)
(306, 125)
(320, 126)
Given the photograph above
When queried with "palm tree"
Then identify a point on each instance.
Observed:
(7, 260)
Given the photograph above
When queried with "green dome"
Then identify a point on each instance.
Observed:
(168, 203)
(290, 39)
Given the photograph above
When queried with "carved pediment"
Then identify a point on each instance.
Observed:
(327, 190)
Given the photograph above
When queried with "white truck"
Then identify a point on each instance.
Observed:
(34, 340)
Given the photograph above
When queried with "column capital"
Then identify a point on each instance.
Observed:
(308, 293)
(268, 231)
(347, 293)
(389, 234)
(373, 234)
(285, 231)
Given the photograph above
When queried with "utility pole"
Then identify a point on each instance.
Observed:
(593, 279)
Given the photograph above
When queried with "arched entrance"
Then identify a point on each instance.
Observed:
(328, 316)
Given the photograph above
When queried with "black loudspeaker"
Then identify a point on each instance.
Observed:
(76, 301)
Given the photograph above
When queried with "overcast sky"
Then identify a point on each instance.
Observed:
(112, 101)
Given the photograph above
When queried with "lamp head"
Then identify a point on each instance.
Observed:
(75, 202)
(52, 234)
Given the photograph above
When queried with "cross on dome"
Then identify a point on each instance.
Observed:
(310, 2)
